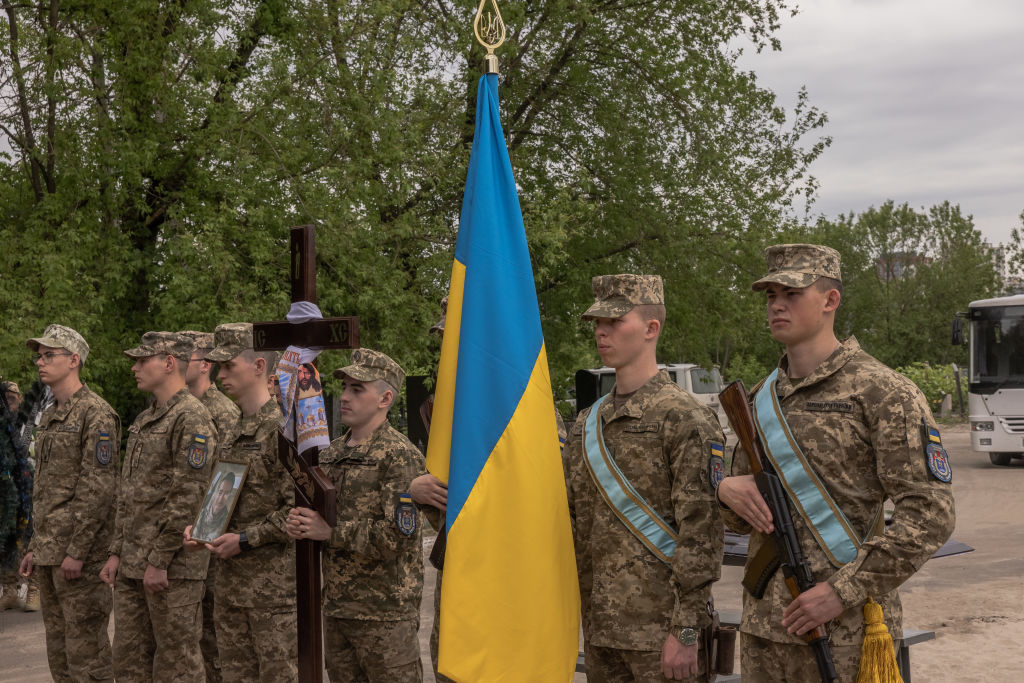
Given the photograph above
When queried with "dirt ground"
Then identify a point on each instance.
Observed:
(973, 602)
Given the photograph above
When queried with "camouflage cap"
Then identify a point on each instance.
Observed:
(12, 387)
(163, 343)
(203, 341)
(230, 339)
(368, 365)
(617, 295)
(439, 325)
(799, 265)
(61, 337)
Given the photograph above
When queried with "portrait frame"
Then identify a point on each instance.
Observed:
(215, 512)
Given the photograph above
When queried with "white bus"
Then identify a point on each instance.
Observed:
(996, 377)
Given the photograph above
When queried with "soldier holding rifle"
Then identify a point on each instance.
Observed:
(845, 434)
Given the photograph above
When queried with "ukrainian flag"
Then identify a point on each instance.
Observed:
(509, 597)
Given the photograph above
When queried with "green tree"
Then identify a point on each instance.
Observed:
(159, 151)
(906, 274)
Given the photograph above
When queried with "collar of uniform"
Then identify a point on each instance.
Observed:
(365, 446)
(156, 413)
(63, 411)
(212, 390)
(635, 404)
(248, 425)
(840, 357)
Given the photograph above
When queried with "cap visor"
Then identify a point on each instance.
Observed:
(786, 278)
(605, 309)
(220, 354)
(139, 352)
(355, 372)
(34, 344)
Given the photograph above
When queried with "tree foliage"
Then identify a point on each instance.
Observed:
(906, 274)
(154, 154)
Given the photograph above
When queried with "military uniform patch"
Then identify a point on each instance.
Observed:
(937, 457)
(642, 428)
(197, 452)
(104, 452)
(830, 406)
(406, 517)
(716, 465)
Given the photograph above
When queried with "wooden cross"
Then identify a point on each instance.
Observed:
(312, 487)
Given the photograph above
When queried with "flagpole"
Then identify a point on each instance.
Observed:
(490, 32)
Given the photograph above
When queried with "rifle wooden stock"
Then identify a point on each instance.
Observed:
(796, 571)
(736, 405)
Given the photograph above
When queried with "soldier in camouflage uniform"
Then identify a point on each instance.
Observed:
(255, 559)
(373, 561)
(865, 431)
(158, 587)
(77, 452)
(642, 615)
(199, 379)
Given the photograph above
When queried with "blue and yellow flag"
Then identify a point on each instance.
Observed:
(509, 597)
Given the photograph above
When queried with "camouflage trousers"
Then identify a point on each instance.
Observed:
(363, 651)
(612, 665)
(257, 643)
(765, 661)
(76, 615)
(156, 635)
(208, 640)
(435, 632)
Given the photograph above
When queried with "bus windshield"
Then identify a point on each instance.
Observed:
(997, 348)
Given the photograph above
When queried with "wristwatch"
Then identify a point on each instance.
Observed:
(686, 635)
(243, 542)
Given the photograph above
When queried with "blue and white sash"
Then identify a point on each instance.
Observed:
(833, 532)
(628, 505)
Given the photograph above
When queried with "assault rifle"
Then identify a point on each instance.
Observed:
(789, 557)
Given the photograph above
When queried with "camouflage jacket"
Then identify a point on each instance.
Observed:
(859, 425)
(372, 570)
(78, 449)
(163, 479)
(661, 440)
(265, 575)
(224, 413)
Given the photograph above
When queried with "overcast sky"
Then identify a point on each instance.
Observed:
(925, 102)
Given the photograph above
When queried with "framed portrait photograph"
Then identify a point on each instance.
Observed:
(221, 497)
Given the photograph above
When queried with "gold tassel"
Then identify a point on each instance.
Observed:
(878, 656)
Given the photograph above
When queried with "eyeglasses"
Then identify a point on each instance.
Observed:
(48, 357)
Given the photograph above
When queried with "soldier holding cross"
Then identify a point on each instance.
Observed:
(373, 564)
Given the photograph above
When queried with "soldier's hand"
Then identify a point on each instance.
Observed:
(27, 565)
(305, 523)
(740, 494)
(71, 568)
(225, 546)
(678, 661)
(154, 580)
(427, 489)
(811, 609)
(109, 572)
(189, 543)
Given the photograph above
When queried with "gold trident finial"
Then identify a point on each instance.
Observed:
(490, 32)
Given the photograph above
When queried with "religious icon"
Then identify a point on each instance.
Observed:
(301, 401)
(309, 381)
(221, 497)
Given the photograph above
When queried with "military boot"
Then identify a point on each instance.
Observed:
(9, 598)
(32, 597)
